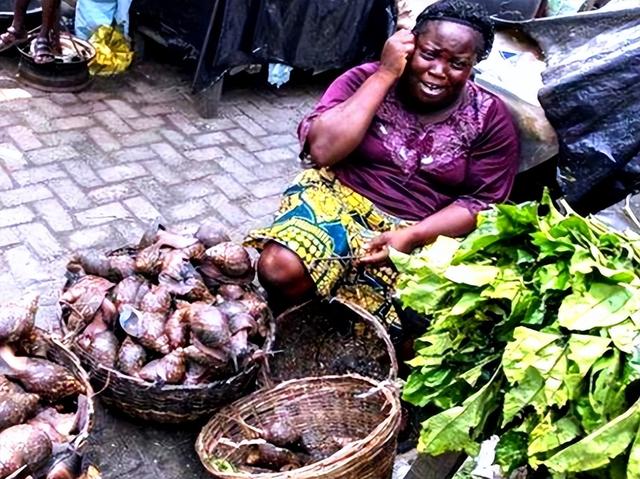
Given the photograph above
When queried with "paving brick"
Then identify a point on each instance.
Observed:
(264, 189)
(129, 231)
(24, 137)
(122, 109)
(168, 154)
(41, 240)
(54, 214)
(153, 110)
(112, 122)
(82, 172)
(275, 154)
(228, 186)
(44, 156)
(216, 124)
(212, 139)
(163, 173)
(38, 174)
(134, 154)
(201, 170)
(15, 216)
(90, 237)
(249, 125)
(8, 119)
(142, 209)
(24, 195)
(146, 123)
(239, 172)
(205, 154)
(69, 137)
(114, 192)
(48, 108)
(140, 138)
(187, 210)
(122, 172)
(245, 140)
(285, 169)
(8, 236)
(177, 139)
(71, 122)
(11, 157)
(182, 123)
(105, 140)
(231, 213)
(70, 193)
(64, 98)
(16, 100)
(5, 181)
(102, 214)
(192, 189)
(85, 108)
(24, 266)
(247, 158)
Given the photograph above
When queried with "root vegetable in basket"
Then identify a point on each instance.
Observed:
(49, 380)
(170, 369)
(131, 357)
(17, 318)
(274, 458)
(23, 444)
(16, 406)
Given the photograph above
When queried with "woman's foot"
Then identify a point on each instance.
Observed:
(12, 38)
(43, 51)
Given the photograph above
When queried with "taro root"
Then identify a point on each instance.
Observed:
(17, 318)
(170, 369)
(103, 347)
(281, 433)
(273, 457)
(23, 445)
(131, 357)
(49, 380)
(16, 407)
(211, 234)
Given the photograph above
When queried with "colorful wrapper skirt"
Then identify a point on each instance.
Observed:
(322, 220)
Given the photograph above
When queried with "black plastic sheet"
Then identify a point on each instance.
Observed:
(313, 35)
(592, 99)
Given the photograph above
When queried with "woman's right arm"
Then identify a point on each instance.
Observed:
(338, 131)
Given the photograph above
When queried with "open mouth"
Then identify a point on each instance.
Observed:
(431, 89)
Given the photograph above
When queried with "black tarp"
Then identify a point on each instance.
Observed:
(313, 35)
(592, 99)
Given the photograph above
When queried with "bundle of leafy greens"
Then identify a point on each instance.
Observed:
(534, 334)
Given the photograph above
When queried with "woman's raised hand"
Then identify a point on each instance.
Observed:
(396, 52)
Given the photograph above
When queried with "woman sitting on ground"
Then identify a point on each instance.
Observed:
(47, 43)
(403, 150)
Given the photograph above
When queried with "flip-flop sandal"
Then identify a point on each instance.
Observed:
(43, 51)
(11, 38)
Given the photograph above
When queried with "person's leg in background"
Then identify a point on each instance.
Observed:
(48, 41)
(16, 33)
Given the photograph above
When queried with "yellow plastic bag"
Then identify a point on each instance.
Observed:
(113, 54)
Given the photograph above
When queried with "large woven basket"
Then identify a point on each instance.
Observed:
(60, 354)
(324, 338)
(171, 404)
(360, 409)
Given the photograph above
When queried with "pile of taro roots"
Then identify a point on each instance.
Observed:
(278, 446)
(41, 403)
(173, 310)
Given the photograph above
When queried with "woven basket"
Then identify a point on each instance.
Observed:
(60, 354)
(316, 338)
(359, 409)
(171, 404)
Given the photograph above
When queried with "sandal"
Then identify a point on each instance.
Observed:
(11, 38)
(43, 51)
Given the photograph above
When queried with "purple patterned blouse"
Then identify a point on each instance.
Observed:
(412, 167)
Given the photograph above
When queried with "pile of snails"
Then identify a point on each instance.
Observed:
(41, 407)
(175, 309)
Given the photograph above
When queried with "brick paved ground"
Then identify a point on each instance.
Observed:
(90, 170)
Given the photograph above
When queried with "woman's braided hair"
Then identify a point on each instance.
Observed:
(465, 12)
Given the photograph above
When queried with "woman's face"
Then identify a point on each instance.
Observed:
(442, 61)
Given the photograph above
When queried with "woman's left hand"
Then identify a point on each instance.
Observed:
(377, 250)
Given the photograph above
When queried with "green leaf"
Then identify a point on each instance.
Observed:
(474, 275)
(456, 429)
(585, 350)
(596, 449)
(530, 348)
(528, 392)
(549, 435)
(600, 306)
(552, 277)
(625, 336)
(511, 451)
(467, 302)
(633, 464)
